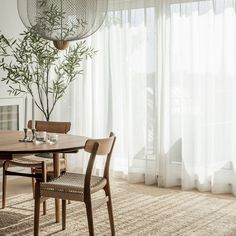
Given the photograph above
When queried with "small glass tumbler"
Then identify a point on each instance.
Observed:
(52, 137)
(41, 136)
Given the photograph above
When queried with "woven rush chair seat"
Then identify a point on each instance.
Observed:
(71, 186)
(80, 187)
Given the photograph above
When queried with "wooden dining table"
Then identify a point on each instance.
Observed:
(66, 143)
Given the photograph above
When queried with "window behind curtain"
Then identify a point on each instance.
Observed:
(9, 117)
(12, 113)
(121, 88)
(202, 66)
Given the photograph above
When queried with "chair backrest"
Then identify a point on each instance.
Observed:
(51, 126)
(99, 147)
(104, 145)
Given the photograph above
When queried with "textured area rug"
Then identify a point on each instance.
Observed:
(138, 210)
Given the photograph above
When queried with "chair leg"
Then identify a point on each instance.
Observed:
(36, 209)
(109, 208)
(44, 208)
(63, 214)
(44, 203)
(33, 181)
(4, 189)
(69, 201)
(33, 188)
(89, 211)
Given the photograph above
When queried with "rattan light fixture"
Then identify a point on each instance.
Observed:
(62, 20)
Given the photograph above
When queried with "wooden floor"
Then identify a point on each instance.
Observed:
(18, 185)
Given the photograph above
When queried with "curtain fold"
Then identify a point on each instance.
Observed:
(200, 84)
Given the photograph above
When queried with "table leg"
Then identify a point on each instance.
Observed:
(56, 165)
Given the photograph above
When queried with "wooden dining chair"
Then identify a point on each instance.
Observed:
(32, 161)
(50, 127)
(80, 187)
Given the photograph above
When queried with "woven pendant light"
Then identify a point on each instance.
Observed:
(62, 20)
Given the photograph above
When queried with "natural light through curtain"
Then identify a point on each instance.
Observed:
(163, 80)
(200, 92)
(117, 92)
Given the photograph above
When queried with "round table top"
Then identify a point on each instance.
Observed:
(10, 144)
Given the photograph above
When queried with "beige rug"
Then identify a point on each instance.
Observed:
(138, 210)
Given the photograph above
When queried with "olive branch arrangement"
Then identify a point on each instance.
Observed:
(32, 65)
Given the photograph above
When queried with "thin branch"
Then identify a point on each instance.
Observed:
(42, 110)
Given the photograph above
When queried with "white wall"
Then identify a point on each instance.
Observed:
(10, 26)
(10, 22)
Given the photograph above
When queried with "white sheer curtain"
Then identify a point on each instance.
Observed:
(117, 92)
(163, 80)
(199, 80)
